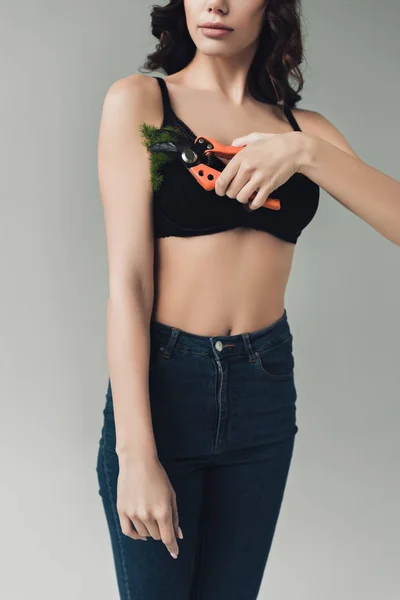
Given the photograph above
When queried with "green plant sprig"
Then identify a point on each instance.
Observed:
(155, 135)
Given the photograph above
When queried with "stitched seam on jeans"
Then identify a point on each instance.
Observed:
(117, 525)
(271, 375)
(273, 346)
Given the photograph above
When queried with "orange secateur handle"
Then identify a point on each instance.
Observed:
(207, 176)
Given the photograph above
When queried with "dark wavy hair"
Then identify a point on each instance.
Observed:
(278, 56)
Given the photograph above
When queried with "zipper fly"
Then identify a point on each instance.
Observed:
(218, 441)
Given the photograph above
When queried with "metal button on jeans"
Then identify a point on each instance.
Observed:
(218, 345)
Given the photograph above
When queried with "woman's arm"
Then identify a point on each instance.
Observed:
(331, 163)
(123, 169)
(145, 496)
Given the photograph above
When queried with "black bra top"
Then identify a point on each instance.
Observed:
(183, 208)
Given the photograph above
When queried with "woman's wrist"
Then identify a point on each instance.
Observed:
(306, 151)
(140, 451)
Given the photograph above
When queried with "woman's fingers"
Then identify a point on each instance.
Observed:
(127, 528)
(175, 517)
(140, 526)
(244, 179)
(145, 524)
(259, 199)
(146, 504)
(162, 526)
(223, 180)
(168, 535)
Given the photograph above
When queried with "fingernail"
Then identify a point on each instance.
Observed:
(180, 533)
(143, 538)
(173, 555)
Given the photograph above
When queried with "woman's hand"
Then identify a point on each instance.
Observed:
(146, 498)
(267, 161)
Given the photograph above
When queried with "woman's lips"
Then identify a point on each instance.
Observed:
(215, 33)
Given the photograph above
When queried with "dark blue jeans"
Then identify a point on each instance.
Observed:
(224, 418)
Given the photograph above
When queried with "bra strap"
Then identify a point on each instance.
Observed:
(168, 112)
(290, 117)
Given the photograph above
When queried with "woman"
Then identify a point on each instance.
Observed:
(200, 414)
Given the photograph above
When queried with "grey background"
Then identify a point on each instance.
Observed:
(338, 533)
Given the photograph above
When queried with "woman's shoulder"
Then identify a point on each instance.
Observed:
(133, 86)
(316, 124)
(136, 96)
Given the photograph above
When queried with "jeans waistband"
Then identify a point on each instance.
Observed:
(247, 342)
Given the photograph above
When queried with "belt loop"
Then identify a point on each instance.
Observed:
(248, 346)
(173, 336)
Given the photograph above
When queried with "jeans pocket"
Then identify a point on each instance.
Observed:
(277, 361)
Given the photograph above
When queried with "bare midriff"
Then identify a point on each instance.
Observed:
(222, 283)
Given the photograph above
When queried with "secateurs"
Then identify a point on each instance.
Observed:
(200, 157)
